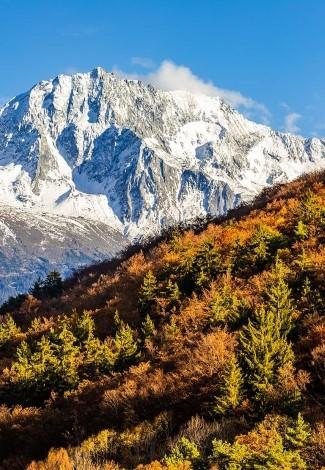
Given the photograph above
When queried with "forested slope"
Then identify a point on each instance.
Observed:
(205, 349)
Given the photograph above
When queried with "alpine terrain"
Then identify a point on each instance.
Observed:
(90, 163)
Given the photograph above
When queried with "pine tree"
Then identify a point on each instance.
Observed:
(226, 307)
(207, 264)
(310, 210)
(231, 390)
(148, 291)
(37, 289)
(171, 329)
(98, 356)
(8, 330)
(21, 372)
(301, 231)
(67, 353)
(85, 327)
(148, 327)
(117, 320)
(53, 284)
(185, 450)
(44, 363)
(259, 250)
(125, 346)
(279, 304)
(264, 351)
(33, 372)
(298, 435)
(172, 291)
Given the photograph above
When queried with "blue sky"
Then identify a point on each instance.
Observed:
(266, 57)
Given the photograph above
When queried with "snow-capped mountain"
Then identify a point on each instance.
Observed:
(95, 161)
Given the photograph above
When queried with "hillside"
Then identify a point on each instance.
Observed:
(92, 153)
(204, 349)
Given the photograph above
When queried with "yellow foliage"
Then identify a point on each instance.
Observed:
(98, 443)
(57, 459)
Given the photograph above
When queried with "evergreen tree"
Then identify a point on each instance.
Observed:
(8, 330)
(44, 363)
(98, 356)
(185, 450)
(259, 250)
(279, 304)
(310, 210)
(125, 346)
(148, 327)
(171, 329)
(301, 231)
(53, 284)
(231, 390)
(85, 327)
(33, 373)
(21, 372)
(173, 293)
(37, 289)
(67, 353)
(207, 264)
(117, 321)
(148, 291)
(226, 307)
(298, 435)
(264, 351)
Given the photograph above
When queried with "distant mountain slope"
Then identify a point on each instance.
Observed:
(135, 158)
(32, 244)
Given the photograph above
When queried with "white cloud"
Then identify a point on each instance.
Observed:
(170, 76)
(290, 122)
(143, 62)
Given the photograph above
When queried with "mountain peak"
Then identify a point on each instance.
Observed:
(95, 147)
(98, 72)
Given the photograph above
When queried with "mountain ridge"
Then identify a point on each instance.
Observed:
(136, 159)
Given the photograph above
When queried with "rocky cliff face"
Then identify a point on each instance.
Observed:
(128, 160)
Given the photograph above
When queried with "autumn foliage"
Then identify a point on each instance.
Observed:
(204, 349)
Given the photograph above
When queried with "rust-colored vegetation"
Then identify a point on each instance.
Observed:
(204, 349)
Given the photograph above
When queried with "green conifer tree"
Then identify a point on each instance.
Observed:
(279, 305)
(207, 264)
(231, 391)
(226, 307)
(53, 284)
(37, 289)
(298, 435)
(21, 373)
(98, 356)
(44, 363)
(172, 291)
(8, 330)
(301, 231)
(310, 210)
(125, 346)
(184, 451)
(148, 327)
(68, 355)
(148, 291)
(264, 351)
(171, 329)
(85, 327)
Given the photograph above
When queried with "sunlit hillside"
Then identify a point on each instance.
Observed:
(204, 349)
